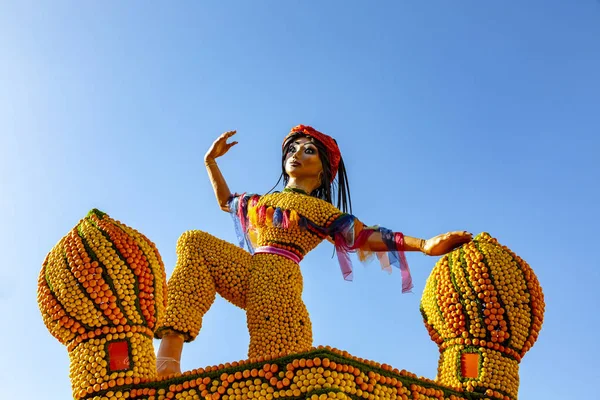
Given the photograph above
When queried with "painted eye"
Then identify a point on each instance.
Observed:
(310, 150)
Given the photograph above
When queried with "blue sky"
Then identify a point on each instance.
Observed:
(450, 115)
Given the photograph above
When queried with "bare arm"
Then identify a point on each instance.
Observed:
(219, 148)
(375, 243)
(436, 246)
(219, 185)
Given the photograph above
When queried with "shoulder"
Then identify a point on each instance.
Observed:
(240, 201)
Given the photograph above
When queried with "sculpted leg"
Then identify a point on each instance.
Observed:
(205, 265)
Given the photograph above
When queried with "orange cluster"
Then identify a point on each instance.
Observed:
(92, 277)
(138, 264)
(320, 374)
(483, 299)
(103, 284)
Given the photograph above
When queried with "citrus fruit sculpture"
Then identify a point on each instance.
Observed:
(102, 293)
(101, 290)
(484, 307)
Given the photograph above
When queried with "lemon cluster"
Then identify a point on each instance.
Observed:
(314, 209)
(292, 211)
(277, 317)
(94, 373)
(483, 299)
(103, 283)
(267, 286)
(205, 265)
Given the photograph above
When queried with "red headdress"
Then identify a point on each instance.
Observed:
(333, 151)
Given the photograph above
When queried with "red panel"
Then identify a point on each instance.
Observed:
(118, 355)
(469, 365)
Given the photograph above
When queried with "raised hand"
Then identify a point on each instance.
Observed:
(445, 243)
(220, 146)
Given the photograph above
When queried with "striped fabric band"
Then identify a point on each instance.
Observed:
(280, 252)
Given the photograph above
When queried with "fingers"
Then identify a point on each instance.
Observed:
(461, 233)
(458, 238)
(447, 242)
(227, 135)
(461, 236)
(224, 136)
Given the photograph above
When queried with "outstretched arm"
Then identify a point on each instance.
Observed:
(349, 234)
(219, 148)
(375, 243)
(435, 246)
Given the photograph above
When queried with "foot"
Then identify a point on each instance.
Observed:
(167, 366)
(169, 354)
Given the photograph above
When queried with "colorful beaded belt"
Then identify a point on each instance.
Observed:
(280, 252)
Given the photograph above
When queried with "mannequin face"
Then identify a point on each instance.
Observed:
(302, 160)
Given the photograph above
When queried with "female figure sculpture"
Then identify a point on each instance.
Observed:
(279, 229)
